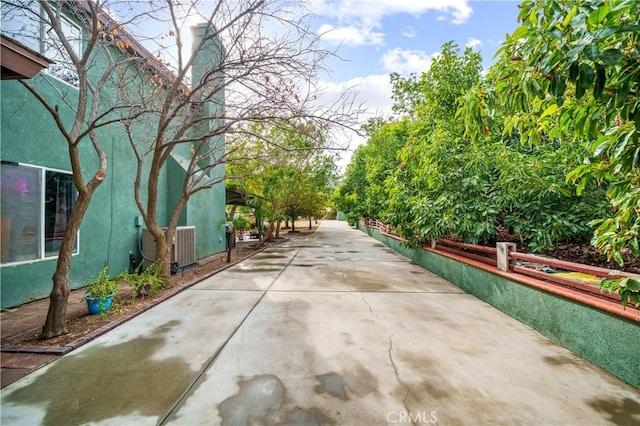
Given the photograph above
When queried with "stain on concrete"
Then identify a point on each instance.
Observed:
(359, 382)
(292, 310)
(266, 264)
(255, 270)
(166, 327)
(270, 256)
(619, 411)
(362, 281)
(143, 385)
(333, 384)
(263, 400)
(306, 417)
(257, 398)
(426, 386)
(429, 388)
(348, 339)
(564, 361)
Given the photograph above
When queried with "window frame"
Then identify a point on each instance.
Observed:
(42, 252)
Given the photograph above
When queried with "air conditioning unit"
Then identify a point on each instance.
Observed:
(183, 247)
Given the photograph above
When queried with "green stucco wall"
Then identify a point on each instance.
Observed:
(608, 341)
(108, 232)
(206, 210)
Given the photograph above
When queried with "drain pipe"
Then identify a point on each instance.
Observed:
(132, 262)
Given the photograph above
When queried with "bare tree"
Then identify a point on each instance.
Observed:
(88, 59)
(255, 61)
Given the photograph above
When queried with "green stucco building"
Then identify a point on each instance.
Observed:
(38, 191)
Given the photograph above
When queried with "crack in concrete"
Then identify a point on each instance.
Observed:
(344, 279)
(395, 370)
(364, 299)
(362, 295)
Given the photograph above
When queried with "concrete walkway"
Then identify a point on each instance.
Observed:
(331, 329)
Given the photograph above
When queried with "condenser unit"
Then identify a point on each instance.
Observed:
(183, 246)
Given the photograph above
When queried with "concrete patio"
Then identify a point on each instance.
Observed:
(330, 329)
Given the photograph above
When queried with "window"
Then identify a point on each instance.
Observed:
(20, 22)
(63, 67)
(35, 209)
(24, 23)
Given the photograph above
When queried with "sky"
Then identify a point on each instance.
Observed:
(373, 38)
(377, 37)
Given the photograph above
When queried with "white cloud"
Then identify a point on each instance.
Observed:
(373, 10)
(474, 43)
(359, 19)
(375, 90)
(409, 32)
(354, 35)
(407, 61)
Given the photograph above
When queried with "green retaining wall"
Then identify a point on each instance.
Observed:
(607, 340)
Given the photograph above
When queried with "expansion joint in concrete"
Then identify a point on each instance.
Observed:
(163, 420)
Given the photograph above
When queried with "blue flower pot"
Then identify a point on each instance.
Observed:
(98, 306)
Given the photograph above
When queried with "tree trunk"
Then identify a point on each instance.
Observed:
(286, 223)
(310, 225)
(230, 245)
(293, 225)
(163, 251)
(55, 324)
(270, 233)
(278, 223)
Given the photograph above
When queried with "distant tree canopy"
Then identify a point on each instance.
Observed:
(287, 170)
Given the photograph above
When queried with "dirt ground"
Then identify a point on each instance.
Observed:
(125, 305)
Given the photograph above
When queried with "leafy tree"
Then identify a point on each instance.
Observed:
(423, 176)
(381, 162)
(287, 170)
(571, 72)
(364, 191)
(426, 194)
(350, 196)
(315, 188)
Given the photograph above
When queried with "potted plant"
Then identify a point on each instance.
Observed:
(100, 292)
(144, 283)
